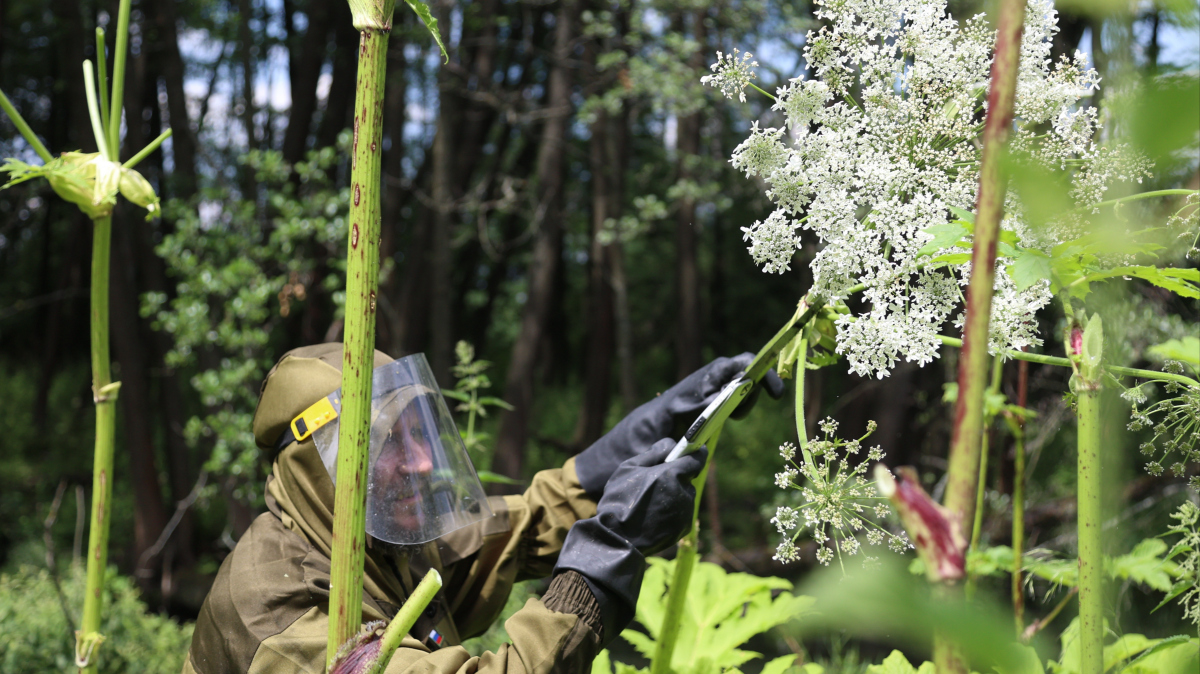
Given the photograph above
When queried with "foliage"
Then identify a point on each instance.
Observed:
(1130, 654)
(723, 611)
(471, 381)
(36, 637)
(236, 282)
(1187, 548)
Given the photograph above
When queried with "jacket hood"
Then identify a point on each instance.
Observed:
(299, 483)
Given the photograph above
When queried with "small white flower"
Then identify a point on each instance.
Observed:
(825, 556)
(787, 450)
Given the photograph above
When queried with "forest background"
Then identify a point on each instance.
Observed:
(558, 194)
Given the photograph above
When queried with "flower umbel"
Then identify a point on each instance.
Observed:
(732, 75)
(837, 501)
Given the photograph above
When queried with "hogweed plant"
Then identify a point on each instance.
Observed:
(891, 156)
(92, 182)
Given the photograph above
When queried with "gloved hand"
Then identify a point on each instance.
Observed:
(657, 419)
(646, 508)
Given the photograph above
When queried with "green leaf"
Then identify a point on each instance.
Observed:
(1025, 662)
(495, 402)
(431, 24)
(1180, 281)
(944, 235)
(1186, 350)
(779, 665)
(896, 663)
(1174, 655)
(1124, 648)
(1176, 590)
(456, 395)
(1144, 564)
(1029, 267)
(724, 610)
(964, 215)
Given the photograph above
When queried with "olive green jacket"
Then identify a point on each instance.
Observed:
(268, 608)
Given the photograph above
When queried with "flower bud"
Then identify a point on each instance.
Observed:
(138, 190)
(74, 179)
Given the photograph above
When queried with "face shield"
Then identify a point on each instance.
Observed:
(421, 484)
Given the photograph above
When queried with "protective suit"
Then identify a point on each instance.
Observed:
(268, 608)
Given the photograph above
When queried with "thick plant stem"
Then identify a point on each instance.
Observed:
(685, 563)
(1091, 555)
(104, 393)
(973, 362)
(362, 284)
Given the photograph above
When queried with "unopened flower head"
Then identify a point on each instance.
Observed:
(882, 142)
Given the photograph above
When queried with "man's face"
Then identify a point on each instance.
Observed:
(405, 460)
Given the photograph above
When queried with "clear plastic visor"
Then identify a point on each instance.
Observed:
(421, 484)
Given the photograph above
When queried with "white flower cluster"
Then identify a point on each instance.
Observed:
(838, 501)
(883, 143)
(731, 74)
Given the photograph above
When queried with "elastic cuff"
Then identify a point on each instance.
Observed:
(610, 565)
(569, 593)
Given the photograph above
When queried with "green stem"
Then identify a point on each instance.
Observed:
(1145, 195)
(22, 126)
(685, 563)
(137, 158)
(963, 472)
(801, 421)
(1091, 556)
(362, 284)
(759, 90)
(118, 90)
(102, 76)
(89, 89)
(1063, 362)
(1018, 530)
(404, 619)
(104, 393)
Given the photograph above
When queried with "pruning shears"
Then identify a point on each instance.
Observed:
(713, 417)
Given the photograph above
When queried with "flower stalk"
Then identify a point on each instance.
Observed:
(374, 21)
(1086, 383)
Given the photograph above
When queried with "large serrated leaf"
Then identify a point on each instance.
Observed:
(1028, 268)
(944, 235)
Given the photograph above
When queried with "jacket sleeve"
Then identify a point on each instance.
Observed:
(522, 541)
(558, 633)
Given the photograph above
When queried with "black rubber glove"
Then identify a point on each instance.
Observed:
(646, 508)
(657, 419)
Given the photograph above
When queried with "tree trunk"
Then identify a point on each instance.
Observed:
(599, 306)
(183, 139)
(304, 70)
(518, 389)
(444, 216)
(687, 274)
(340, 103)
(245, 12)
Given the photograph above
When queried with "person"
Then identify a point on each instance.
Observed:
(588, 525)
